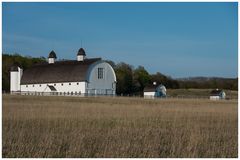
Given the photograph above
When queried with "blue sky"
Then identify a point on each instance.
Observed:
(176, 39)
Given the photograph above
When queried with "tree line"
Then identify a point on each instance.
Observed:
(9, 59)
(130, 80)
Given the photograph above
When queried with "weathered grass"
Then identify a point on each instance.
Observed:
(199, 93)
(118, 127)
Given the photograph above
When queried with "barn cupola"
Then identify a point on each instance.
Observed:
(81, 55)
(51, 57)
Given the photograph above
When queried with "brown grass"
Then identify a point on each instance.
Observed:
(199, 93)
(118, 127)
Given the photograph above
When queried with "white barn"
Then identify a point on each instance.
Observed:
(217, 94)
(154, 91)
(73, 77)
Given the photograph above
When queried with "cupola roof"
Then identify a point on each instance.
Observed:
(81, 52)
(52, 54)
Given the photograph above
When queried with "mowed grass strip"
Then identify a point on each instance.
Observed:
(35, 126)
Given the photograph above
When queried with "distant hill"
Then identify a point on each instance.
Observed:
(130, 81)
(208, 82)
(201, 79)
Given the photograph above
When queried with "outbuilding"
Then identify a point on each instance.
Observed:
(155, 91)
(217, 94)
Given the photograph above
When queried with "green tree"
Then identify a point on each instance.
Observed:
(141, 78)
(162, 79)
(124, 74)
(9, 59)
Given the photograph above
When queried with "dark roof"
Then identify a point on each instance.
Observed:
(52, 54)
(60, 71)
(150, 88)
(215, 92)
(81, 52)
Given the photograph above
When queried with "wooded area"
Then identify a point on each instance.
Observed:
(130, 80)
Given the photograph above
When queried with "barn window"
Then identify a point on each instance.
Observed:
(100, 73)
(77, 83)
(33, 85)
(69, 84)
(39, 85)
(54, 84)
(26, 85)
(62, 84)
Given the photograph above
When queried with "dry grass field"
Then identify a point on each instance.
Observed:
(199, 93)
(118, 127)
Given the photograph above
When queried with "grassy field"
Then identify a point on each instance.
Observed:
(118, 127)
(198, 93)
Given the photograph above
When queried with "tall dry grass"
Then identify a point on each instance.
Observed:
(118, 127)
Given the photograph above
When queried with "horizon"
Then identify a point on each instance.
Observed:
(176, 39)
(134, 67)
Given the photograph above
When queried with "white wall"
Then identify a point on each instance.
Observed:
(51, 60)
(15, 80)
(107, 85)
(149, 94)
(214, 97)
(74, 87)
(80, 57)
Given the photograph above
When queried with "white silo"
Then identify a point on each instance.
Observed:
(15, 78)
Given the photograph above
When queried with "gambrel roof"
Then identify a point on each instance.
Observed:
(60, 71)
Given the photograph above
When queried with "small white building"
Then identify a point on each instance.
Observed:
(155, 91)
(82, 76)
(217, 94)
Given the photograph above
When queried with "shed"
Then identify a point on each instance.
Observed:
(217, 94)
(155, 91)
